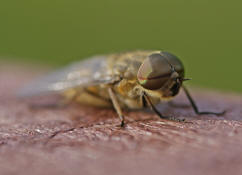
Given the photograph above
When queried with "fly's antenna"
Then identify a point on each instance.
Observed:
(185, 79)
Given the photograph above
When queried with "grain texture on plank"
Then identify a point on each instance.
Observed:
(147, 145)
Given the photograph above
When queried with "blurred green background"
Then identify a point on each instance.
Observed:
(205, 34)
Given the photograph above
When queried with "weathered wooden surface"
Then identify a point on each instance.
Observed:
(147, 145)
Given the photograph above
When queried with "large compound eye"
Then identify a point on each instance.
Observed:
(175, 62)
(156, 70)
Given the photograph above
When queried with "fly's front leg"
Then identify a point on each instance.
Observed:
(194, 106)
(147, 99)
(116, 105)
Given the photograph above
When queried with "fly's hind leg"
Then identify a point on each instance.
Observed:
(116, 105)
(194, 106)
(60, 104)
(64, 102)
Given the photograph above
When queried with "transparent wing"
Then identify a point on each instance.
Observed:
(89, 72)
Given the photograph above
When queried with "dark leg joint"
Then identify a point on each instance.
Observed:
(122, 124)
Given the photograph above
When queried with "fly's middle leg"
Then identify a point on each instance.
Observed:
(152, 106)
(116, 106)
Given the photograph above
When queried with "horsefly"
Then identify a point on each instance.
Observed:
(129, 80)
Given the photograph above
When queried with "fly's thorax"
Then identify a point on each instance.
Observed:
(126, 88)
(127, 64)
